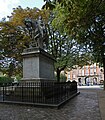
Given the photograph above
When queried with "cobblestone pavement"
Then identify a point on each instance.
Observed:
(82, 107)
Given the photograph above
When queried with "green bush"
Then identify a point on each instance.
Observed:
(18, 78)
(5, 81)
(63, 78)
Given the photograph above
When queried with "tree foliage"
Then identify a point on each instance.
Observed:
(14, 38)
(64, 49)
(84, 20)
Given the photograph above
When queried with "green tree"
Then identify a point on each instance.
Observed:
(85, 21)
(64, 48)
(61, 46)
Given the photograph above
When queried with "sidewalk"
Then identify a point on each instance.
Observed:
(88, 105)
(101, 98)
(89, 87)
(100, 94)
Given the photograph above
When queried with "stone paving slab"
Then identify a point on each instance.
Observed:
(101, 97)
(83, 107)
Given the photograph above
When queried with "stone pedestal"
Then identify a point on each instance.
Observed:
(38, 65)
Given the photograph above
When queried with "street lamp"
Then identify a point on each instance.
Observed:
(104, 62)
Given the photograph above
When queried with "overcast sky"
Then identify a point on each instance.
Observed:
(6, 6)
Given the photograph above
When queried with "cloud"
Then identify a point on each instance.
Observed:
(6, 7)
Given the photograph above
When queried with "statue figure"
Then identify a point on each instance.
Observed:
(37, 31)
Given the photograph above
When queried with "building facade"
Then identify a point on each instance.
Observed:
(87, 75)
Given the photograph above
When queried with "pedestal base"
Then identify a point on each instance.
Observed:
(38, 65)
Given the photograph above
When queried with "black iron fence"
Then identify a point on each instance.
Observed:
(38, 92)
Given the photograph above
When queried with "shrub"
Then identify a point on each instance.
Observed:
(5, 81)
(63, 78)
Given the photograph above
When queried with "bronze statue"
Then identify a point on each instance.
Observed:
(37, 31)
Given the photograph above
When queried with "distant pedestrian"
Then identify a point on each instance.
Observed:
(79, 81)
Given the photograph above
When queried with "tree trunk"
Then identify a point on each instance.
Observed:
(11, 69)
(58, 75)
(59, 71)
(104, 70)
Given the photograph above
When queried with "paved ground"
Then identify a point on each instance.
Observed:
(89, 105)
(101, 98)
(90, 87)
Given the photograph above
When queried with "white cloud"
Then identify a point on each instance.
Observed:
(6, 7)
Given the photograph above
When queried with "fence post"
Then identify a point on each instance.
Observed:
(22, 93)
(3, 92)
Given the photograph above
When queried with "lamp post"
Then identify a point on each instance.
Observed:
(104, 62)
